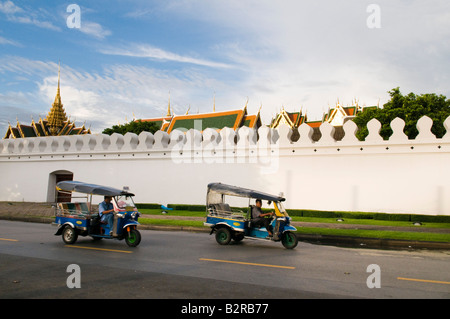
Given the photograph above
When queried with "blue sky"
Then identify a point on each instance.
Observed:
(128, 55)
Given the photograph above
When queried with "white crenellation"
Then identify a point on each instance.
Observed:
(145, 141)
(327, 130)
(162, 140)
(306, 132)
(283, 136)
(211, 138)
(224, 142)
(374, 127)
(350, 129)
(446, 136)
(103, 141)
(398, 135)
(424, 125)
(131, 141)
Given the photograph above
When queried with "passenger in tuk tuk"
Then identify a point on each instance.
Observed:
(258, 219)
(106, 211)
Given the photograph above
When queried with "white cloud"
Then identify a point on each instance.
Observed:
(296, 54)
(9, 42)
(104, 98)
(94, 29)
(310, 54)
(148, 51)
(9, 7)
(34, 21)
(26, 16)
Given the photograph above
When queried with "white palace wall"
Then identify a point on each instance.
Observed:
(395, 176)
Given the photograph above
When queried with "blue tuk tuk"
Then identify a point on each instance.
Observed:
(80, 219)
(234, 224)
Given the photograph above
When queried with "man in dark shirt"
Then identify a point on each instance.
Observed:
(258, 219)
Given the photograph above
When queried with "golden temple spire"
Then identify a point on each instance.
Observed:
(57, 116)
(168, 107)
(58, 91)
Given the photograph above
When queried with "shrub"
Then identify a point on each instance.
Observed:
(147, 206)
(392, 217)
(187, 207)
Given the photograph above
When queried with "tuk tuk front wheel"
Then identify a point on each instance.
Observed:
(133, 237)
(69, 235)
(289, 240)
(223, 236)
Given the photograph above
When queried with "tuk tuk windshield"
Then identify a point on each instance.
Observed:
(125, 203)
(279, 209)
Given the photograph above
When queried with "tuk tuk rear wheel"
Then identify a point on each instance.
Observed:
(69, 235)
(133, 237)
(223, 236)
(289, 240)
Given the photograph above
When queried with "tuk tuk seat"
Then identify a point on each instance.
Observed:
(75, 210)
(220, 209)
(224, 210)
(223, 207)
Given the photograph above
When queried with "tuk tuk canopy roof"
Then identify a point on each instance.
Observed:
(86, 188)
(242, 192)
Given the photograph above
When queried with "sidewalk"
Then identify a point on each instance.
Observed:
(42, 212)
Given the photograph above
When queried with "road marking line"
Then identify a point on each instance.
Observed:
(103, 249)
(8, 239)
(425, 280)
(245, 263)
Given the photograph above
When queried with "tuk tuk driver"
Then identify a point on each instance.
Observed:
(106, 211)
(258, 217)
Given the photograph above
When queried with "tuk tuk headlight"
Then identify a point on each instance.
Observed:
(135, 214)
(120, 215)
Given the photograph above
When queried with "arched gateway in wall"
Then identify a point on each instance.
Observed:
(54, 178)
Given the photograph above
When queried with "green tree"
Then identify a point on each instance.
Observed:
(135, 126)
(410, 108)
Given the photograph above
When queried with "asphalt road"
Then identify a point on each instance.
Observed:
(188, 266)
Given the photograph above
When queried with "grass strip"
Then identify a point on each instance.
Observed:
(171, 222)
(310, 219)
(384, 234)
(369, 222)
(173, 212)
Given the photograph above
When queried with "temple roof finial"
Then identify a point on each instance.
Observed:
(57, 116)
(168, 107)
